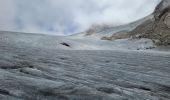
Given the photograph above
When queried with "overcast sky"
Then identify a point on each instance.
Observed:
(69, 16)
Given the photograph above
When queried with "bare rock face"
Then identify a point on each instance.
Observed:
(157, 28)
(167, 20)
(160, 9)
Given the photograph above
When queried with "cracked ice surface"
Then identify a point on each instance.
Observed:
(36, 74)
(30, 72)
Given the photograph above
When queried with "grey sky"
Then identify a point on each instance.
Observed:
(69, 16)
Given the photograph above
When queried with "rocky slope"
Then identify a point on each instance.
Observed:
(158, 28)
(155, 27)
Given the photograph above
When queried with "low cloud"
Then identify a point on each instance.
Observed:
(69, 16)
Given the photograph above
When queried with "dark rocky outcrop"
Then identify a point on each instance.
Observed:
(65, 44)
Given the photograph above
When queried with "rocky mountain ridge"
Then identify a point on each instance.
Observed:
(155, 27)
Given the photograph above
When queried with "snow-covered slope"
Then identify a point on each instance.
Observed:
(70, 42)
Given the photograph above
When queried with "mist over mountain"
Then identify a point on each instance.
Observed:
(154, 26)
(63, 17)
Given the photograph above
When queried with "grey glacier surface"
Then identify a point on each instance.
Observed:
(78, 67)
(33, 73)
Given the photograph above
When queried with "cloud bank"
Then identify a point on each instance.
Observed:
(60, 17)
